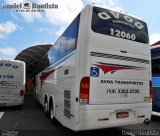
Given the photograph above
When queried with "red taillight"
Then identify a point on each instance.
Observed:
(21, 92)
(84, 90)
(150, 88)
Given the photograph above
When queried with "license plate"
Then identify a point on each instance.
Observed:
(122, 114)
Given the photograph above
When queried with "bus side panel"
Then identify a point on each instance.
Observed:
(37, 89)
(64, 92)
(82, 56)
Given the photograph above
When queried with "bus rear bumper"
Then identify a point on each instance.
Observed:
(11, 102)
(98, 116)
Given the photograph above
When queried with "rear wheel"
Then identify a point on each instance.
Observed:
(51, 112)
(46, 109)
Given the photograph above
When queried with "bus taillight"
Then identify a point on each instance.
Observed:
(21, 92)
(84, 90)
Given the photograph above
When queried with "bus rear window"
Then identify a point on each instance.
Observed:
(119, 25)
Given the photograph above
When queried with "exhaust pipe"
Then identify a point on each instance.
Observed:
(146, 121)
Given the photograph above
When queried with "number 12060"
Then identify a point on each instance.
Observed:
(123, 34)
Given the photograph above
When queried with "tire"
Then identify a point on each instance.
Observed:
(46, 109)
(51, 112)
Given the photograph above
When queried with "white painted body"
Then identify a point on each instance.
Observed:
(102, 108)
(12, 82)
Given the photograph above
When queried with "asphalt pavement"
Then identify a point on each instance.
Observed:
(31, 121)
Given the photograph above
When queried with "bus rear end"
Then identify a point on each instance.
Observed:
(116, 90)
(12, 82)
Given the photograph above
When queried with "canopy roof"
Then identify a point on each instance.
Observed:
(35, 58)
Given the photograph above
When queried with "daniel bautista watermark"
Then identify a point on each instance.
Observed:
(9, 133)
(29, 7)
(141, 132)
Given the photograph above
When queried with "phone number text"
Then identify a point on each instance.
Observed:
(120, 91)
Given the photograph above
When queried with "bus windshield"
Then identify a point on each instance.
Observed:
(119, 25)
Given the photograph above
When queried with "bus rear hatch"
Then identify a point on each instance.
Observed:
(118, 79)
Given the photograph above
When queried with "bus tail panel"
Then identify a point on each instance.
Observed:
(12, 82)
(116, 80)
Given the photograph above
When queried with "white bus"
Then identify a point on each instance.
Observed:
(12, 82)
(99, 72)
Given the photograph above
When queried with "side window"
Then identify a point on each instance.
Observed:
(45, 61)
(50, 56)
(55, 52)
(155, 66)
(72, 34)
(63, 45)
(66, 43)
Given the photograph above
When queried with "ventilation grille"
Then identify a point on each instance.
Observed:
(67, 103)
(111, 56)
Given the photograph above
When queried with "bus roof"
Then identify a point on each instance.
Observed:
(11, 60)
(119, 11)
